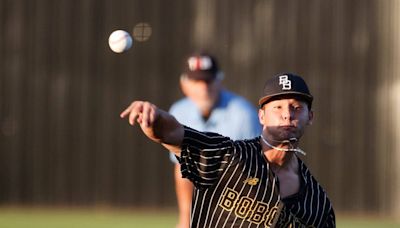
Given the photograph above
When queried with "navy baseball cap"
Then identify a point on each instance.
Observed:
(201, 67)
(286, 84)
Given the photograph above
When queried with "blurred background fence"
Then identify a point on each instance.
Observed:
(62, 89)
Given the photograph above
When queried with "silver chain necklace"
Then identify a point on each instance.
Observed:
(296, 150)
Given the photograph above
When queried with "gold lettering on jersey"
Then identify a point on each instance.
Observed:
(270, 218)
(243, 206)
(251, 181)
(258, 212)
(246, 208)
(228, 199)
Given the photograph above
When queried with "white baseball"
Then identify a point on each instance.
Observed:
(120, 41)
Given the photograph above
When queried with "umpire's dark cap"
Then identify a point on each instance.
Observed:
(201, 67)
(286, 84)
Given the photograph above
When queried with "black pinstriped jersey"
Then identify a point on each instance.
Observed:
(235, 186)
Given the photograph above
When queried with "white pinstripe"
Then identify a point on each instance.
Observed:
(211, 176)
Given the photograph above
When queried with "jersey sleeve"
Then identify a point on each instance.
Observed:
(204, 156)
(288, 219)
(330, 221)
(175, 111)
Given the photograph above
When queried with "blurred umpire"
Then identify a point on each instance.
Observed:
(261, 182)
(207, 106)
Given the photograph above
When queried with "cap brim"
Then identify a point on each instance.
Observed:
(201, 75)
(265, 99)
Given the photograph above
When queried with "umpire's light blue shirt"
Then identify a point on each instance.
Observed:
(233, 116)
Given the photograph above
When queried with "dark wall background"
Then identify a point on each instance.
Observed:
(62, 89)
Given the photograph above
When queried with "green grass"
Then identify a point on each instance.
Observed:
(103, 218)
(366, 222)
(78, 218)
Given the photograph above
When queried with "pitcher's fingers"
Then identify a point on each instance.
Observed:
(139, 119)
(133, 114)
(134, 111)
(134, 106)
(126, 111)
(146, 114)
(152, 116)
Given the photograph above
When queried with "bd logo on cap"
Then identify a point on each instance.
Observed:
(285, 82)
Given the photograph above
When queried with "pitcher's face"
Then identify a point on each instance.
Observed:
(285, 118)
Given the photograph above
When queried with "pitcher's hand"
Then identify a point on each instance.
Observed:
(156, 124)
(144, 113)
